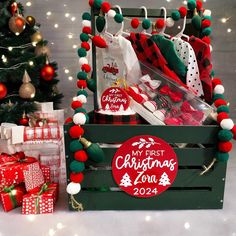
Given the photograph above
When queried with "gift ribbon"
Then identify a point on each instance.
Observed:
(11, 195)
(20, 160)
(120, 82)
(174, 96)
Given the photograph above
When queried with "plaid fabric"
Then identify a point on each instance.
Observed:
(147, 51)
(116, 119)
(203, 55)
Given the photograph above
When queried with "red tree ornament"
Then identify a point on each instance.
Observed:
(3, 91)
(47, 72)
(24, 121)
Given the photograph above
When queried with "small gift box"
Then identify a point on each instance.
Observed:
(41, 202)
(12, 197)
(46, 173)
(11, 173)
(6, 130)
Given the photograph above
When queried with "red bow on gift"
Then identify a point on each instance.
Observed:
(174, 96)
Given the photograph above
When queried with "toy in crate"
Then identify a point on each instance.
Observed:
(115, 164)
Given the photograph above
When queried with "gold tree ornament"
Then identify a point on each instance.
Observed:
(27, 90)
(42, 50)
(36, 37)
(31, 21)
(17, 24)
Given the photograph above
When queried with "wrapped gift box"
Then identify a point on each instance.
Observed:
(12, 197)
(42, 202)
(46, 173)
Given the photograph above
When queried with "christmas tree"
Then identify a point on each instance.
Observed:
(126, 181)
(164, 180)
(26, 75)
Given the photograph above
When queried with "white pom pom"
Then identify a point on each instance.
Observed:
(79, 118)
(227, 124)
(86, 23)
(73, 188)
(111, 13)
(207, 13)
(170, 22)
(219, 89)
(145, 97)
(83, 60)
(82, 98)
(211, 48)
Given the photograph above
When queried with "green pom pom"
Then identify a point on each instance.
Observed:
(87, 118)
(225, 135)
(146, 24)
(218, 96)
(207, 18)
(84, 37)
(207, 31)
(223, 109)
(222, 156)
(82, 92)
(91, 84)
(212, 73)
(197, 22)
(175, 15)
(77, 167)
(75, 146)
(82, 52)
(79, 110)
(118, 18)
(97, 4)
(192, 5)
(100, 23)
(82, 75)
(86, 16)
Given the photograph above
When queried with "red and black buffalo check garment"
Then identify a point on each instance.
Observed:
(147, 51)
(203, 55)
(116, 119)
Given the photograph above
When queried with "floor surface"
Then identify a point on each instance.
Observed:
(146, 223)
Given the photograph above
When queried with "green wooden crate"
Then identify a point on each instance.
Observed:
(189, 191)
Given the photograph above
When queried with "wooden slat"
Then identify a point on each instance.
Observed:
(185, 178)
(171, 134)
(186, 156)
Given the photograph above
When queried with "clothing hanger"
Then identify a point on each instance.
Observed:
(181, 33)
(162, 32)
(106, 27)
(146, 17)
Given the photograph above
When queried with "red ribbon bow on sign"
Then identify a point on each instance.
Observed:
(174, 96)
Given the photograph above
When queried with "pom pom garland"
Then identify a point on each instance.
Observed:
(219, 89)
(77, 167)
(111, 13)
(207, 13)
(83, 60)
(82, 84)
(86, 68)
(135, 23)
(81, 156)
(218, 96)
(220, 102)
(183, 11)
(79, 118)
(82, 75)
(225, 146)
(227, 124)
(225, 135)
(76, 131)
(73, 188)
(91, 2)
(82, 98)
(170, 22)
(160, 23)
(86, 16)
(76, 145)
(82, 92)
(206, 23)
(215, 82)
(85, 45)
(199, 5)
(97, 4)
(175, 15)
(221, 116)
(234, 132)
(207, 31)
(106, 7)
(76, 104)
(221, 156)
(118, 18)
(68, 120)
(76, 177)
(223, 109)
(86, 23)
(146, 24)
(191, 5)
(80, 109)
(87, 30)
(82, 52)
(84, 37)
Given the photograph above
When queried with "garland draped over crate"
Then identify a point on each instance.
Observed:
(82, 148)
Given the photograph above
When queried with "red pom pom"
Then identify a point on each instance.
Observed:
(86, 68)
(76, 131)
(91, 2)
(160, 23)
(220, 102)
(221, 116)
(234, 131)
(216, 81)
(81, 156)
(77, 177)
(135, 23)
(68, 120)
(105, 7)
(85, 45)
(82, 84)
(206, 40)
(87, 30)
(206, 23)
(225, 146)
(76, 104)
(98, 41)
(199, 5)
(183, 11)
